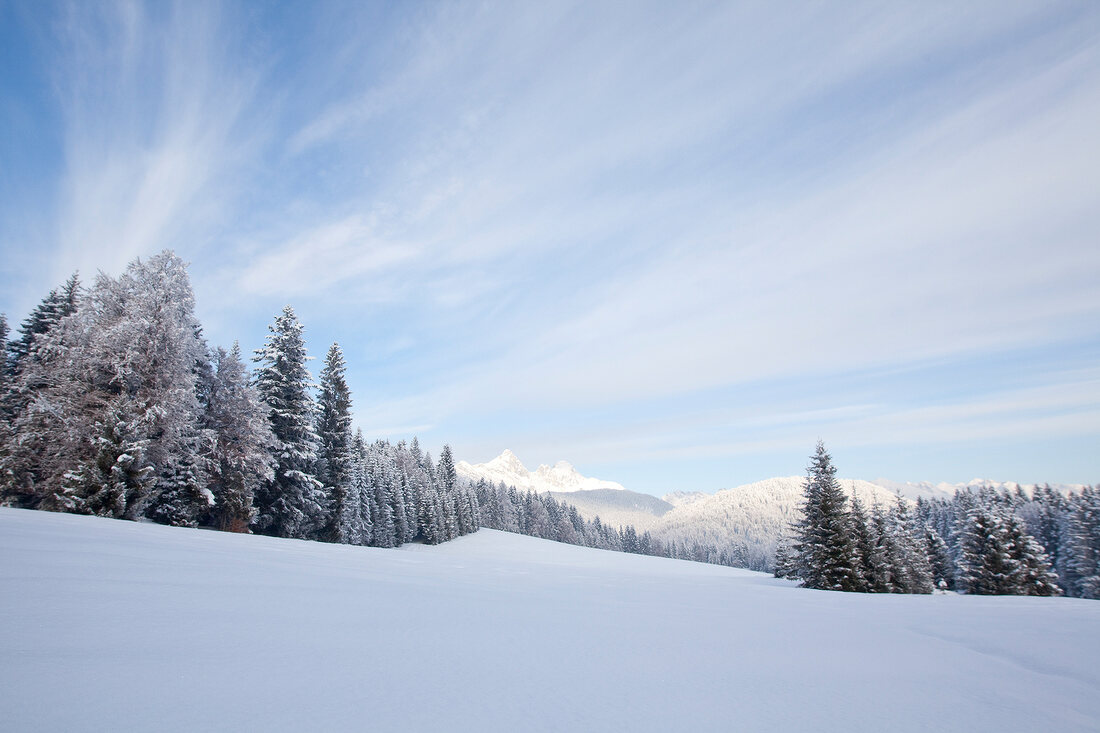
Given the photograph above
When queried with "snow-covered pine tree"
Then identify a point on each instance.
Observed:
(41, 401)
(292, 503)
(986, 566)
(1082, 544)
(182, 492)
(381, 472)
(358, 525)
(334, 452)
(1037, 578)
(939, 560)
(60, 303)
(873, 574)
(119, 470)
(240, 452)
(911, 570)
(825, 546)
(5, 367)
(447, 477)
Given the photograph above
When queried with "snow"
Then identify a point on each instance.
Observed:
(943, 490)
(507, 467)
(111, 625)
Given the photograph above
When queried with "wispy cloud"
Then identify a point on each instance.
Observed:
(153, 129)
(572, 224)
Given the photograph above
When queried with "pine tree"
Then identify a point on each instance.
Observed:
(939, 560)
(358, 527)
(825, 546)
(5, 367)
(873, 574)
(118, 473)
(334, 454)
(986, 566)
(240, 452)
(448, 487)
(60, 303)
(1036, 577)
(911, 570)
(183, 497)
(40, 401)
(292, 503)
(1082, 545)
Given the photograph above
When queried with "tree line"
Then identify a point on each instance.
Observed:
(114, 405)
(981, 542)
(506, 508)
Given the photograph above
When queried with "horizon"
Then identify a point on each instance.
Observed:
(884, 482)
(673, 246)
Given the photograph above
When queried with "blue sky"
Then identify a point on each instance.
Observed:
(672, 243)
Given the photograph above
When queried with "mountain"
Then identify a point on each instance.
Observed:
(112, 625)
(559, 478)
(679, 498)
(617, 507)
(747, 520)
(943, 490)
(750, 518)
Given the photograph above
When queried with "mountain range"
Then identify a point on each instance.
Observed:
(752, 517)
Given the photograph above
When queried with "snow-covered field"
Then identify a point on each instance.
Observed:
(110, 625)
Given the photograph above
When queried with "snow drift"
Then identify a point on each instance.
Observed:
(111, 625)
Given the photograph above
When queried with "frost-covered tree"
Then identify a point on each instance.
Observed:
(291, 503)
(59, 304)
(873, 571)
(998, 558)
(907, 558)
(334, 451)
(357, 526)
(39, 400)
(1081, 545)
(112, 372)
(825, 546)
(240, 452)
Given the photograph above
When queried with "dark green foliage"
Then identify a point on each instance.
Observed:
(826, 547)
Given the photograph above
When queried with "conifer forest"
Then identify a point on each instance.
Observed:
(115, 406)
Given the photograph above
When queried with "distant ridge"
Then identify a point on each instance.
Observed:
(562, 477)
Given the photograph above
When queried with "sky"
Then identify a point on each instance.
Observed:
(672, 243)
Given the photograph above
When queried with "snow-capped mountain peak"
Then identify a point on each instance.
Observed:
(507, 467)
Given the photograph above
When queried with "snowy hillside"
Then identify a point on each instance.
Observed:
(112, 625)
(754, 515)
(507, 467)
(943, 490)
(679, 498)
(618, 507)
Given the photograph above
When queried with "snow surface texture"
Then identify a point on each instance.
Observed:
(111, 625)
(507, 467)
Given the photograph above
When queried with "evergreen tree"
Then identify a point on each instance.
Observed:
(939, 560)
(825, 546)
(334, 454)
(1036, 577)
(60, 303)
(986, 565)
(873, 573)
(358, 527)
(119, 471)
(292, 503)
(5, 368)
(911, 571)
(240, 452)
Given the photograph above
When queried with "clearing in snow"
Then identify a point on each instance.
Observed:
(111, 625)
